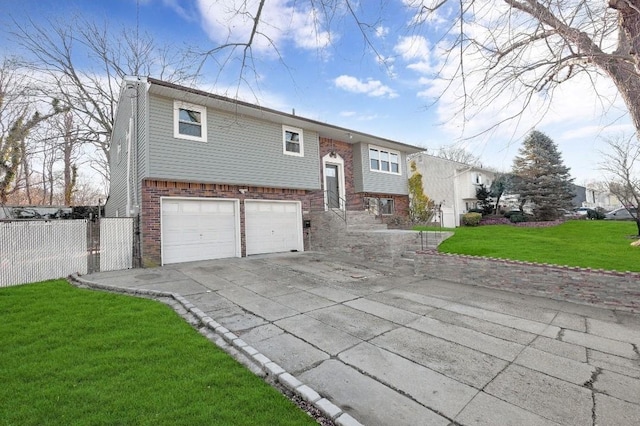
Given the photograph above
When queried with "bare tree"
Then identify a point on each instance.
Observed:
(459, 154)
(527, 48)
(491, 50)
(19, 115)
(622, 163)
(83, 63)
(69, 148)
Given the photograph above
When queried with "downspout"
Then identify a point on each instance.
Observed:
(132, 140)
(134, 148)
(128, 208)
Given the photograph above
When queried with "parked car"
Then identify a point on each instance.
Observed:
(567, 213)
(622, 213)
(582, 211)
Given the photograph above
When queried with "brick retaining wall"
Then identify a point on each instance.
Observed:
(609, 289)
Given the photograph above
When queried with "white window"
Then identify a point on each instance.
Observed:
(380, 206)
(293, 141)
(189, 121)
(384, 160)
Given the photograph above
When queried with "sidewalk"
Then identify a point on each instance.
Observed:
(383, 346)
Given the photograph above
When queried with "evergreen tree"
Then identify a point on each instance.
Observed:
(543, 178)
(485, 203)
(503, 183)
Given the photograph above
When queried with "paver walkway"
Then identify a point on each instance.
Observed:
(392, 348)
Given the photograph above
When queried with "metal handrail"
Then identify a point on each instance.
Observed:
(341, 212)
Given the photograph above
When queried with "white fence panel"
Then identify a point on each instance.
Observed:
(40, 250)
(448, 218)
(116, 244)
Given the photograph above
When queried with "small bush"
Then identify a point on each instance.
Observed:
(517, 217)
(471, 219)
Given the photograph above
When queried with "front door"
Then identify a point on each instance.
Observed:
(333, 187)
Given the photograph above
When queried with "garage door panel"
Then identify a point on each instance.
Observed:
(199, 230)
(273, 227)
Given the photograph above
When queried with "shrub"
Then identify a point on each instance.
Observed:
(517, 217)
(471, 219)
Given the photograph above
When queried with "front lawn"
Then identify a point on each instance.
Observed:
(584, 243)
(81, 357)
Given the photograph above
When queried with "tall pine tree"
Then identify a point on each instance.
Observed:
(544, 179)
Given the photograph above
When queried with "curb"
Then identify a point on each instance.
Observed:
(270, 368)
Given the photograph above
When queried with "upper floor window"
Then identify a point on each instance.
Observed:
(384, 160)
(189, 121)
(293, 141)
(476, 178)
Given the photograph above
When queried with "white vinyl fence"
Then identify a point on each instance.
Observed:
(38, 250)
(116, 244)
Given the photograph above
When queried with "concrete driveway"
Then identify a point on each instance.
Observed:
(392, 348)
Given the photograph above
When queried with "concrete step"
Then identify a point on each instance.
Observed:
(361, 217)
(366, 227)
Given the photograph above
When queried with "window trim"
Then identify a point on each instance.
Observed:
(300, 133)
(389, 152)
(177, 106)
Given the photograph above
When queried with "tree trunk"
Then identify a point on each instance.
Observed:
(625, 74)
(627, 81)
(629, 23)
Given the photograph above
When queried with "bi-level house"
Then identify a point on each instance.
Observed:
(212, 177)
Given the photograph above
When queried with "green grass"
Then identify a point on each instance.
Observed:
(584, 243)
(75, 356)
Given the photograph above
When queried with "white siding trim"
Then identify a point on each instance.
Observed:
(177, 106)
(337, 161)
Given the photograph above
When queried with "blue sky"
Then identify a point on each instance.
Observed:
(331, 76)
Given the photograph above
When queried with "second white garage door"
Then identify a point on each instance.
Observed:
(273, 226)
(199, 229)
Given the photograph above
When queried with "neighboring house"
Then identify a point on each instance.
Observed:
(451, 184)
(600, 198)
(212, 177)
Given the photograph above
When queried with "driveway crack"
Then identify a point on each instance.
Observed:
(589, 385)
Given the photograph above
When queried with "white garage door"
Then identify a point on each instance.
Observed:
(273, 226)
(199, 229)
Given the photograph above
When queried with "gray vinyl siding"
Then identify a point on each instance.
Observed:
(239, 150)
(142, 145)
(378, 182)
(118, 162)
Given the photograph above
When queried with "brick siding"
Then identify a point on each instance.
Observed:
(355, 200)
(152, 190)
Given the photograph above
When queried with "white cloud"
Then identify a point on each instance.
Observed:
(370, 87)
(382, 31)
(415, 50)
(231, 21)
